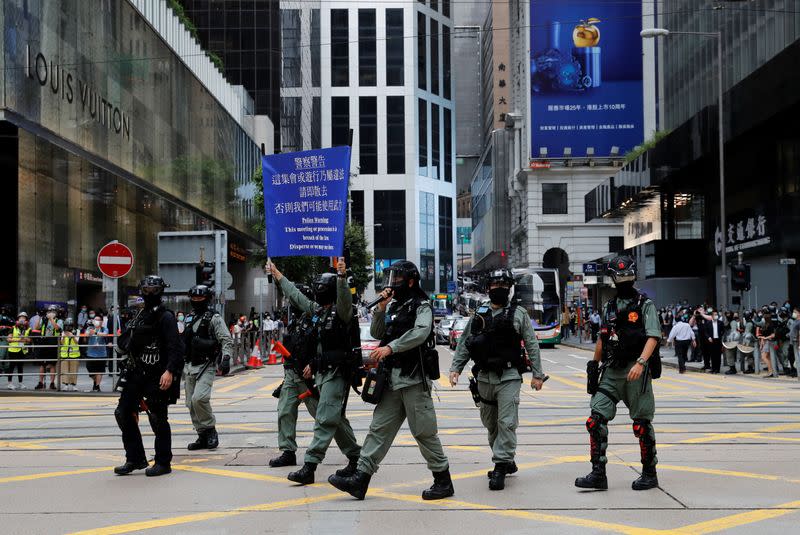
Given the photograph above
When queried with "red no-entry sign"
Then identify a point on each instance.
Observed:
(115, 260)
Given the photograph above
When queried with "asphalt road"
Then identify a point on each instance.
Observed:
(728, 448)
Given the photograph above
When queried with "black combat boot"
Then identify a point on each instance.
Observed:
(212, 439)
(497, 481)
(648, 479)
(596, 479)
(287, 458)
(201, 443)
(129, 467)
(158, 470)
(304, 476)
(511, 468)
(350, 469)
(442, 487)
(355, 485)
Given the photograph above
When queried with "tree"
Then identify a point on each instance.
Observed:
(302, 269)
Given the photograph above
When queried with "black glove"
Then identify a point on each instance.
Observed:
(592, 377)
(225, 366)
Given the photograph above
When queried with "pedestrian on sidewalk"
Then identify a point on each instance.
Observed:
(766, 336)
(18, 343)
(95, 339)
(68, 353)
(682, 336)
(594, 320)
(50, 334)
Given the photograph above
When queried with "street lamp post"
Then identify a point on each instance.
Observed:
(663, 32)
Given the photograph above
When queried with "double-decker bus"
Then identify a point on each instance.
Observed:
(538, 290)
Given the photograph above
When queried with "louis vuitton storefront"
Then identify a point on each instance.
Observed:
(105, 134)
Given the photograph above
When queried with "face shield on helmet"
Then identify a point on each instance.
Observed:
(151, 288)
(499, 284)
(324, 287)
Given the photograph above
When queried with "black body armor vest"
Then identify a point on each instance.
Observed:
(623, 332)
(401, 318)
(145, 344)
(301, 342)
(337, 341)
(494, 343)
(201, 346)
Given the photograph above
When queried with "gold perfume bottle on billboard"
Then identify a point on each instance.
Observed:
(586, 38)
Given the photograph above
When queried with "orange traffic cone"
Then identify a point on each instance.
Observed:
(273, 356)
(255, 357)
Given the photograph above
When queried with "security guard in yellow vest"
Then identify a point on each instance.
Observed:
(18, 349)
(68, 353)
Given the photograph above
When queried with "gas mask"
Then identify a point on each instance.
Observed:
(625, 289)
(198, 306)
(151, 301)
(499, 295)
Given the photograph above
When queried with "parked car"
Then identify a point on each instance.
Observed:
(442, 330)
(368, 343)
(457, 330)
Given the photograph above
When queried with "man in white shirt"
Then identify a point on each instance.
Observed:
(683, 337)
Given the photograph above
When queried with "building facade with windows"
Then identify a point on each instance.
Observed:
(113, 126)
(671, 193)
(378, 77)
(246, 36)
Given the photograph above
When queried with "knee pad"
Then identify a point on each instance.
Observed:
(641, 428)
(594, 422)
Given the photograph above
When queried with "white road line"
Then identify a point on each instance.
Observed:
(548, 360)
(578, 357)
(576, 369)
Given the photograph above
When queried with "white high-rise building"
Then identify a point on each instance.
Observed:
(380, 70)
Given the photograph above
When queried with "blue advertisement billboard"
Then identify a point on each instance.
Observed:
(586, 77)
(305, 200)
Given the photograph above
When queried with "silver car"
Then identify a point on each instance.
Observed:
(442, 330)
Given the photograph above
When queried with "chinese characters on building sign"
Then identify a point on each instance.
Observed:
(305, 198)
(743, 233)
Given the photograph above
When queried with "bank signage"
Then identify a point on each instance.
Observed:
(305, 201)
(585, 77)
(744, 231)
(65, 84)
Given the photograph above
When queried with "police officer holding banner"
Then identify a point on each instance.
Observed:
(150, 380)
(333, 320)
(403, 389)
(208, 343)
(493, 340)
(625, 360)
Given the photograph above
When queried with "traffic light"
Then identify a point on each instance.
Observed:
(740, 279)
(204, 274)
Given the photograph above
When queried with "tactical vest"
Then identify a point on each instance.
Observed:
(68, 348)
(201, 346)
(301, 342)
(401, 318)
(336, 339)
(497, 344)
(623, 333)
(145, 344)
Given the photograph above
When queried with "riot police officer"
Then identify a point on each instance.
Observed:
(150, 381)
(301, 342)
(630, 335)
(403, 332)
(207, 342)
(333, 365)
(493, 340)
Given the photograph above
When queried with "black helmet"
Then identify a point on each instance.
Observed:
(400, 273)
(152, 285)
(502, 275)
(69, 323)
(200, 292)
(324, 288)
(306, 290)
(622, 269)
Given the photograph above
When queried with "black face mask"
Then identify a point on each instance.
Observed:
(401, 292)
(625, 289)
(499, 296)
(151, 301)
(200, 306)
(325, 297)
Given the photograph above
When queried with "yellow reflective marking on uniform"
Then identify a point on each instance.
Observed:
(46, 475)
(527, 515)
(740, 519)
(239, 384)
